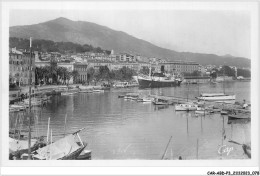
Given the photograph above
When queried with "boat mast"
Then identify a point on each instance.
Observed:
(30, 109)
(150, 70)
(198, 89)
(224, 79)
(188, 91)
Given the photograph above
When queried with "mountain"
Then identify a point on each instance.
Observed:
(65, 30)
(51, 46)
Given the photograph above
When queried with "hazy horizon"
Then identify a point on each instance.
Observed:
(212, 32)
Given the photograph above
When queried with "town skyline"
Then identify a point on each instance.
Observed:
(200, 39)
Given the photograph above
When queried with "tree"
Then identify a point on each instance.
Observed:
(68, 75)
(144, 70)
(96, 76)
(61, 74)
(227, 71)
(243, 72)
(39, 74)
(126, 73)
(90, 74)
(213, 75)
(51, 46)
(74, 74)
(112, 74)
(53, 70)
(104, 73)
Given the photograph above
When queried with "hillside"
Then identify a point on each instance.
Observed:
(65, 30)
(51, 46)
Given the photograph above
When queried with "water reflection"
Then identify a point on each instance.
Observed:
(160, 107)
(122, 129)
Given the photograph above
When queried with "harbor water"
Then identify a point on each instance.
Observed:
(118, 129)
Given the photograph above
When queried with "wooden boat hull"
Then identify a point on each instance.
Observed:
(238, 121)
(74, 155)
(159, 103)
(202, 112)
(239, 116)
(84, 155)
(247, 150)
(224, 112)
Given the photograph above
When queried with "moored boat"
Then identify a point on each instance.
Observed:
(238, 121)
(68, 93)
(85, 91)
(84, 155)
(18, 147)
(35, 102)
(98, 90)
(186, 107)
(239, 114)
(247, 149)
(147, 99)
(217, 97)
(18, 107)
(13, 109)
(157, 101)
(131, 96)
(203, 111)
(158, 80)
(224, 112)
(66, 148)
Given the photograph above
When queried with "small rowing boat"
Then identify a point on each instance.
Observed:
(186, 107)
(98, 91)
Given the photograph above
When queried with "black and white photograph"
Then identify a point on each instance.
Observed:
(130, 82)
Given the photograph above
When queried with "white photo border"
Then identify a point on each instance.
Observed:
(108, 165)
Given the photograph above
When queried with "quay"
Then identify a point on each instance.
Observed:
(48, 90)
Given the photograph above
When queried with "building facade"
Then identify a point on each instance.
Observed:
(179, 67)
(125, 57)
(96, 64)
(82, 69)
(68, 65)
(196, 79)
(19, 67)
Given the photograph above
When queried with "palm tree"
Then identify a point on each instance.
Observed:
(60, 73)
(39, 74)
(67, 75)
(90, 74)
(74, 74)
(47, 73)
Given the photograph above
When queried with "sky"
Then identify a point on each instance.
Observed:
(216, 32)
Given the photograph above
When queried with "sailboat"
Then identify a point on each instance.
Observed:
(189, 106)
(18, 146)
(66, 148)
